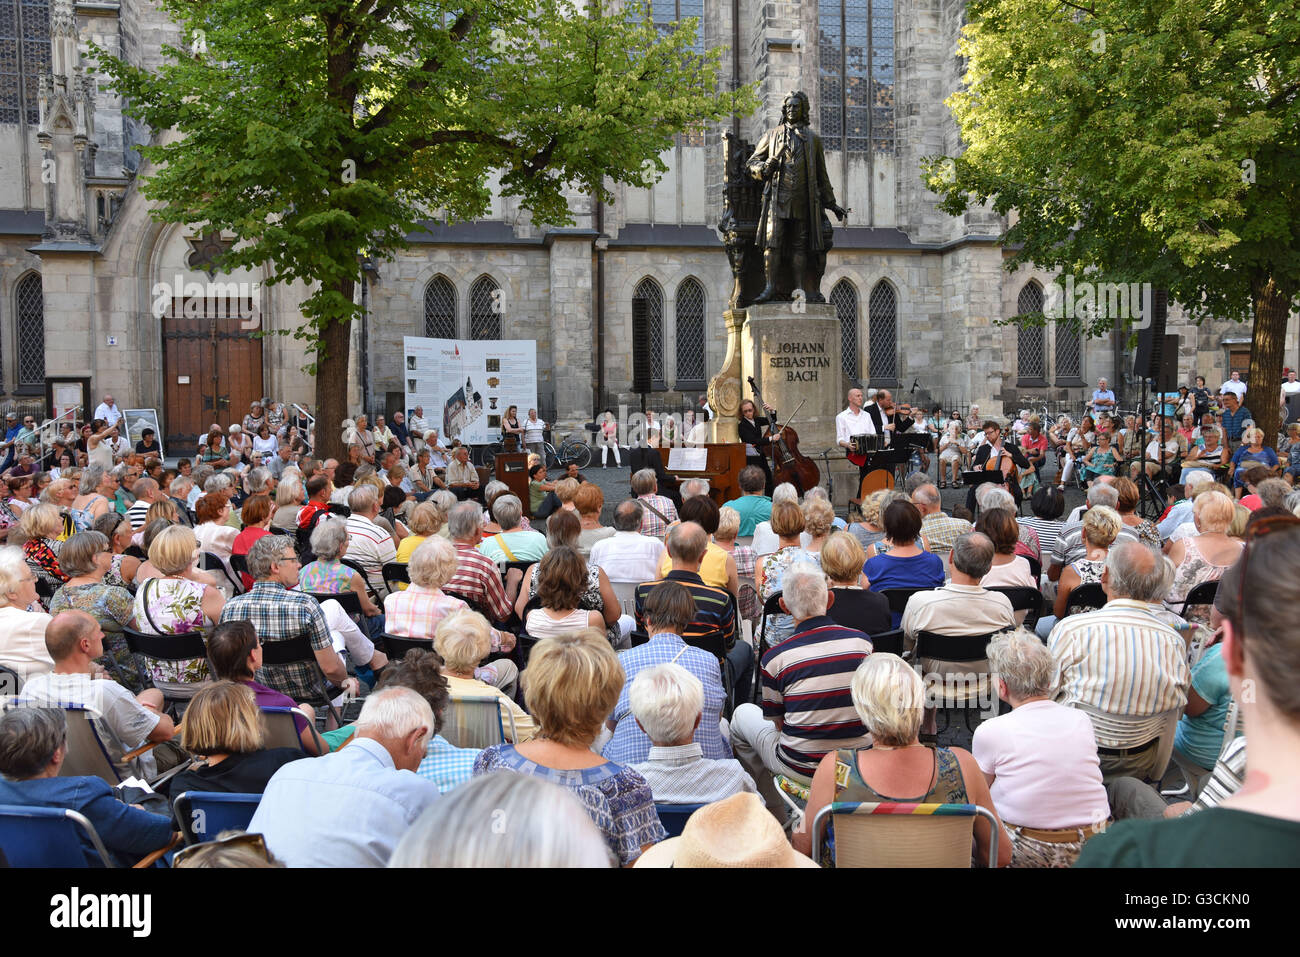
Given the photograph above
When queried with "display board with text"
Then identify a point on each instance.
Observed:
(467, 385)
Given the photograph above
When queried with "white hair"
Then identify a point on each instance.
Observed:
(1020, 659)
(694, 487)
(989, 497)
(816, 492)
(803, 588)
(667, 700)
(362, 498)
(395, 712)
(13, 569)
(504, 820)
(785, 492)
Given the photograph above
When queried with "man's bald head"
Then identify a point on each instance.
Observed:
(926, 499)
(64, 633)
(687, 543)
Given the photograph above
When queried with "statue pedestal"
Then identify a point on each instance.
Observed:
(795, 358)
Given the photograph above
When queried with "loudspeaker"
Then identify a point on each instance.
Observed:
(640, 345)
(1151, 340)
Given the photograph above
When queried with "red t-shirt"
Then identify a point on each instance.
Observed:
(243, 542)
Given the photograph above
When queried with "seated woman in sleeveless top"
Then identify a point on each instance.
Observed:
(890, 698)
(561, 581)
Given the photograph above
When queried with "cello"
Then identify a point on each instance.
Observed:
(788, 464)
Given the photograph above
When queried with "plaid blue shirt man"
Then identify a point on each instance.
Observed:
(447, 765)
(279, 614)
(1233, 422)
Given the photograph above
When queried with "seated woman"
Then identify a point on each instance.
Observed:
(765, 540)
(256, 516)
(1203, 557)
(1040, 760)
(123, 568)
(589, 500)
(289, 498)
(787, 523)
(1048, 505)
(211, 530)
(562, 582)
(1206, 452)
(463, 639)
(223, 727)
(889, 696)
(86, 558)
(852, 604)
(1199, 736)
(571, 686)
(214, 451)
(904, 565)
(1129, 497)
(38, 533)
(172, 604)
(236, 655)
(1252, 451)
(22, 631)
(416, 611)
(950, 454)
(1101, 526)
(20, 496)
(426, 519)
(563, 528)
(1101, 459)
(33, 745)
(1009, 569)
(327, 575)
(818, 523)
(743, 556)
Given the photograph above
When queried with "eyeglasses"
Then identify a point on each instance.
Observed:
(284, 559)
(1257, 530)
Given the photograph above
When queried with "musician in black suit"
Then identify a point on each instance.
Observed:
(754, 430)
(994, 455)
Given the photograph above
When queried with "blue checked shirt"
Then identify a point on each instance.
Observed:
(1233, 421)
(630, 744)
(447, 765)
(279, 614)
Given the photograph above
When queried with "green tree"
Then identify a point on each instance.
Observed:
(1142, 141)
(321, 132)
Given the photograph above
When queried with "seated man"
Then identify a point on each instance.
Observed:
(33, 745)
(477, 577)
(753, 505)
(74, 640)
(807, 706)
(715, 608)
(669, 611)
(351, 807)
(1120, 659)
(718, 567)
(279, 614)
(937, 527)
(627, 555)
(667, 702)
(369, 544)
(461, 477)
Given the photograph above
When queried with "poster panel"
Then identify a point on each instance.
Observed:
(467, 385)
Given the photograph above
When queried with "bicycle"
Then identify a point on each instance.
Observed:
(570, 452)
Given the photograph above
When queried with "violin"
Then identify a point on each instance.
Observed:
(788, 464)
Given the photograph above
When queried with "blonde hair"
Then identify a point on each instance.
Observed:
(566, 489)
(728, 525)
(223, 718)
(842, 558)
(40, 521)
(1248, 436)
(172, 552)
(889, 698)
(425, 519)
(1241, 515)
(1101, 524)
(818, 517)
(572, 684)
(1213, 512)
(433, 563)
(873, 505)
(463, 639)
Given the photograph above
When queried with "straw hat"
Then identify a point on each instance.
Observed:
(737, 832)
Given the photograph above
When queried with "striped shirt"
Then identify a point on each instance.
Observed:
(715, 609)
(683, 775)
(136, 514)
(1069, 547)
(370, 547)
(478, 580)
(806, 686)
(1046, 529)
(1120, 659)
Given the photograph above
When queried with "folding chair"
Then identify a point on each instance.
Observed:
(202, 815)
(771, 607)
(349, 600)
(396, 647)
(625, 592)
(365, 577)
(476, 721)
(889, 642)
(716, 646)
(396, 573)
(289, 651)
(888, 834)
(1023, 599)
(184, 647)
(965, 649)
(747, 585)
(282, 731)
(898, 598)
(1089, 597)
(512, 577)
(52, 837)
(88, 753)
(210, 562)
(1126, 732)
(239, 565)
(674, 816)
(1202, 594)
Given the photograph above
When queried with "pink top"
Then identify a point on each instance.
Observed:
(1044, 757)
(1014, 574)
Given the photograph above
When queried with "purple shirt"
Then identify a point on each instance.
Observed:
(270, 698)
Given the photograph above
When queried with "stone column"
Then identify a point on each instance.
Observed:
(794, 357)
(572, 328)
(727, 388)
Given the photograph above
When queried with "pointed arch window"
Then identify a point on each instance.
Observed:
(486, 307)
(845, 300)
(650, 292)
(882, 332)
(29, 333)
(440, 308)
(1031, 343)
(690, 334)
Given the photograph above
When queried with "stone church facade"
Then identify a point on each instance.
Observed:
(920, 294)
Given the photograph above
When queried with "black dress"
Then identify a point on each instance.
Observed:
(754, 433)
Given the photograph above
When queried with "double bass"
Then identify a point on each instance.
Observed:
(788, 464)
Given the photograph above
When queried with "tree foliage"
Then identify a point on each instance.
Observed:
(320, 132)
(1141, 141)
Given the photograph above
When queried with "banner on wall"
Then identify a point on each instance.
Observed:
(467, 385)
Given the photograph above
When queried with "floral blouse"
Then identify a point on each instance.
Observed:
(173, 606)
(781, 627)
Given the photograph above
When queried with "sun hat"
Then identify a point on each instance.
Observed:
(736, 832)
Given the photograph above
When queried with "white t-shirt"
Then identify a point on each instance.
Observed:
(628, 557)
(848, 425)
(1291, 388)
(107, 701)
(533, 430)
(1044, 757)
(1237, 388)
(1153, 449)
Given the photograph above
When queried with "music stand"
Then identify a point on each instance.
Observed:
(920, 441)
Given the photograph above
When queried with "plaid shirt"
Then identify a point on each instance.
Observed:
(941, 530)
(447, 765)
(652, 524)
(478, 580)
(279, 614)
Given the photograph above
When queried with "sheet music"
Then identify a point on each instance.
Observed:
(688, 460)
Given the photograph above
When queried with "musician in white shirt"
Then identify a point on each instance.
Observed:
(855, 420)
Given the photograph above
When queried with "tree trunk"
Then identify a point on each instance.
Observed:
(1272, 306)
(332, 383)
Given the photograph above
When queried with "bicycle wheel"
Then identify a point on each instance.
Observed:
(577, 453)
